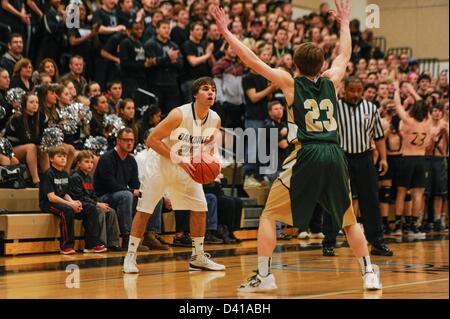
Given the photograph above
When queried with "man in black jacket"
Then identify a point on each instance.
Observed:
(163, 76)
(116, 180)
(14, 54)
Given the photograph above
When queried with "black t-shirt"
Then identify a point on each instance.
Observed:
(179, 35)
(203, 69)
(107, 19)
(53, 181)
(258, 110)
(112, 45)
(132, 59)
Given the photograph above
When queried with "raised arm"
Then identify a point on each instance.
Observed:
(398, 104)
(280, 77)
(337, 71)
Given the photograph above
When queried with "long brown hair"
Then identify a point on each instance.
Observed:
(41, 68)
(134, 125)
(50, 113)
(25, 116)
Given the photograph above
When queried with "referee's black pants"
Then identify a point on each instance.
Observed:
(364, 184)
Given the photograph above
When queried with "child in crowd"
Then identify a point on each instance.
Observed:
(54, 197)
(99, 220)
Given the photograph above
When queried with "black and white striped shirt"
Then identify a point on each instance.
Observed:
(358, 126)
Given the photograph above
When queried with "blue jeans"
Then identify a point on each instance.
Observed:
(211, 218)
(155, 221)
(251, 165)
(122, 202)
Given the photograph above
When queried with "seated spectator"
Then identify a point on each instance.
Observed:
(7, 108)
(23, 70)
(93, 89)
(182, 237)
(116, 181)
(99, 220)
(127, 113)
(99, 106)
(71, 86)
(49, 66)
(114, 94)
(151, 118)
(211, 220)
(14, 54)
(54, 198)
(24, 131)
(43, 79)
(76, 66)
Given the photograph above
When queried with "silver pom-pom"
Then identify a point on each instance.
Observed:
(82, 113)
(6, 147)
(2, 112)
(114, 123)
(14, 97)
(52, 136)
(98, 145)
(68, 120)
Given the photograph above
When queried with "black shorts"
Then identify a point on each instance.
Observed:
(437, 178)
(412, 172)
(393, 164)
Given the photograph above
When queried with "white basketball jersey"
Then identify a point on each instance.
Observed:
(189, 137)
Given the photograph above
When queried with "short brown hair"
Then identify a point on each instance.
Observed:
(84, 154)
(206, 80)
(22, 63)
(55, 150)
(309, 58)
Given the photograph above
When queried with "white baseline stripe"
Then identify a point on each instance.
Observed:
(357, 290)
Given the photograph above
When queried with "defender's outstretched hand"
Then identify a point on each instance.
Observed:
(344, 8)
(221, 18)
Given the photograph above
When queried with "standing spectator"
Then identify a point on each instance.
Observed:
(114, 96)
(198, 56)
(110, 52)
(126, 14)
(424, 84)
(76, 66)
(436, 154)
(180, 32)
(133, 62)
(14, 53)
(24, 131)
(150, 29)
(15, 15)
(54, 198)
(106, 18)
(23, 70)
(84, 42)
(163, 75)
(365, 120)
(53, 42)
(99, 220)
(280, 46)
(213, 36)
(257, 92)
(116, 181)
(228, 73)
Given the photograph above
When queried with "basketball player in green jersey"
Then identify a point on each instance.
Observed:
(316, 172)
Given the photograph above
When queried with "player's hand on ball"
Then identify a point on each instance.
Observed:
(185, 164)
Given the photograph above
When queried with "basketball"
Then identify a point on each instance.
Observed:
(206, 169)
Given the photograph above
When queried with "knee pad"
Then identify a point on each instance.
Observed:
(384, 194)
(408, 198)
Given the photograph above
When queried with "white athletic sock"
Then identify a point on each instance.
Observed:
(365, 264)
(197, 245)
(133, 244)
(264, 265)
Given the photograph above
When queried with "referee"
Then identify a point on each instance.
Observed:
(359, 123)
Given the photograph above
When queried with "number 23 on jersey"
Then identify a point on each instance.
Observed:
(313, 124)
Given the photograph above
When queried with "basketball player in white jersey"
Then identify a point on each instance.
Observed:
(186, 131)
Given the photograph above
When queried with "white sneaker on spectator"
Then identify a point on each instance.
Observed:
(303, 235)
(317, 235)
(203, 262)
(129, 264)
(258, 283)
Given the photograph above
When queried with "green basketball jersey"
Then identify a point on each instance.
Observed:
(314, 110)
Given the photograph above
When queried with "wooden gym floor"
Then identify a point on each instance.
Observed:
(419, 269)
